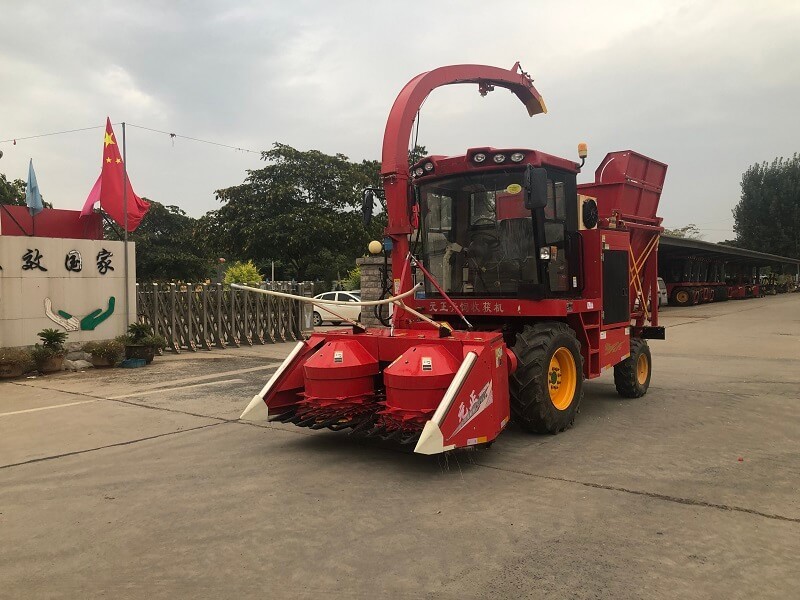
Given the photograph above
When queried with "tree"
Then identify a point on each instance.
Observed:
(301, 210)
(243, 272)
(167, 248)
(689, 231)
(13, 192)
(767, 218)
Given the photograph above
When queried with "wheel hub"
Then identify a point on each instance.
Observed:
(562, 378)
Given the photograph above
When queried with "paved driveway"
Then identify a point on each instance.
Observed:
(141, 484)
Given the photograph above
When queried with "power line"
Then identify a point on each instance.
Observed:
(170, 134)
(194, 139)
(41, 135)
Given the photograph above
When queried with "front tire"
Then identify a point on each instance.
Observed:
(547, 387)
(632, 375)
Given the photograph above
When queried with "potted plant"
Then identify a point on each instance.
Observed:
(15, 362)
(49, 355)
(141, 343)
(105, 354)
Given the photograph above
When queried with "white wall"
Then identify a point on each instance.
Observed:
(23, 292)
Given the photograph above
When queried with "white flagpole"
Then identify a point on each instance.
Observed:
(125, 225)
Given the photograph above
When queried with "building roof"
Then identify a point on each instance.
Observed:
(677, 247)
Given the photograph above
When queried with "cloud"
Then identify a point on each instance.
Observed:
(707, 87)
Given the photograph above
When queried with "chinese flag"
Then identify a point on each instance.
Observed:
(108, 187)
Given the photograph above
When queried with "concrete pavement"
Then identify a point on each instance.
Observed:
(141, 483)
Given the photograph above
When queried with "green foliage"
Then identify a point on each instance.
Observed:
(302, 210)
(18, 357)
(416, 154)
(53, 339)
(767, 218)
(687, 231)
(353, 279)
(138, 331)
(169, 247)
(110, 350)
(141, 334)
(13, 192)
(41, 354)
(243, 273)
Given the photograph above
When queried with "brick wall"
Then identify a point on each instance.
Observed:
(371, 267)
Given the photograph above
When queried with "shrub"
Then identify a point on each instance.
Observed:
(111, 350)
(353, 279)
(243, 273)
(53, 339)
(138, 332)
(17, 357)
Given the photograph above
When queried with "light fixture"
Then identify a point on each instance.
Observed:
(428, 166)
(517, 157)
(418, 172)
(479, 157)
(498, 158)
(544, 253)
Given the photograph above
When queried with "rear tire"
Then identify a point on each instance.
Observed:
(547, 387)
(681, 297)
(632, 375)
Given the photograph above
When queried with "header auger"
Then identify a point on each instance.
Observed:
(528, 283)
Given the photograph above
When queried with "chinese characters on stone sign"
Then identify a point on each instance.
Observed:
(104, 261)
(32, 259)
(73, 261)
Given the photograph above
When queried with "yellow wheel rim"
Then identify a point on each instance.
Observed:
(562, 378)
(642, 368)
(682, 297)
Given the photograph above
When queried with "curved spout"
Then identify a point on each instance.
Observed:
(404, 110)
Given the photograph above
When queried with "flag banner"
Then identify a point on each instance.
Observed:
(111, 188)
(33, 197)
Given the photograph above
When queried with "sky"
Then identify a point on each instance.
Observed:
(709, 87)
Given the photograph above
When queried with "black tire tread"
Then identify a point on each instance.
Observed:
(625, 372)
(530, 404)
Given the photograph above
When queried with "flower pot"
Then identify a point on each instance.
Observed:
(10, 370)
(52, 364)
(138, 351)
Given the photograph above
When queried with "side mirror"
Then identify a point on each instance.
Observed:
(366, 207)
(535, 187)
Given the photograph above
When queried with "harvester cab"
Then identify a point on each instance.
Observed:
(511, 284)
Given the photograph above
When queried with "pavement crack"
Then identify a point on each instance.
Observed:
(126, 443)
(654, 495)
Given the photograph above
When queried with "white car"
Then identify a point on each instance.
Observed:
(663, 298)
(351, 312)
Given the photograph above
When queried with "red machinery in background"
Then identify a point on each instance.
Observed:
(526, 284)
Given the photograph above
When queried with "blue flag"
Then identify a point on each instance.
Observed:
(33, 197)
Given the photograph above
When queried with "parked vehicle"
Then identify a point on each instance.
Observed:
(351, 312)
(663, 296)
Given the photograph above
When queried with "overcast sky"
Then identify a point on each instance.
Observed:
(707, 87)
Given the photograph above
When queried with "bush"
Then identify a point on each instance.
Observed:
(138, 332)
(111, 350)
(353, 279)
(53, 339)
(141, 334)
(17, 357)
(243, 273)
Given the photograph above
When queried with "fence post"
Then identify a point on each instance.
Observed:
(173, 338)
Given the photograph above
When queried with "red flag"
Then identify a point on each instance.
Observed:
(109, 187)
